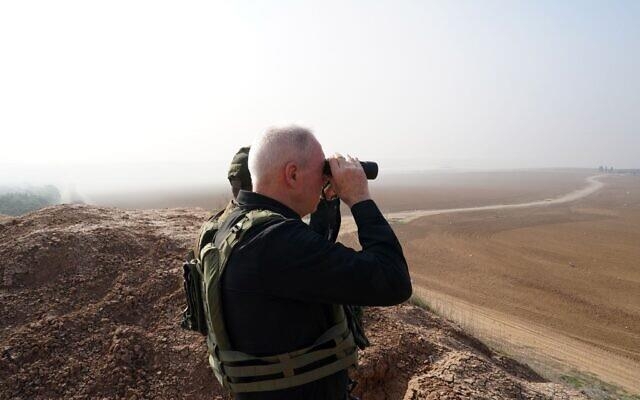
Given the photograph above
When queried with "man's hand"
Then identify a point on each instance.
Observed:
(348, 179)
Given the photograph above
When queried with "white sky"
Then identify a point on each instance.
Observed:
(122, 92)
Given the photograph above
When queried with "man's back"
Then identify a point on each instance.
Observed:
(284, 285)
(282, 281)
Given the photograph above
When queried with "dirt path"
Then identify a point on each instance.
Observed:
(593, 185)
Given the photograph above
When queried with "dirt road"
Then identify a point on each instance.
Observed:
(593, 185)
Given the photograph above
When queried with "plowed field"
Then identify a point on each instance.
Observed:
(568, 274)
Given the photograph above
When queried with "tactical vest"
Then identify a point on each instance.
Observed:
(236, 371)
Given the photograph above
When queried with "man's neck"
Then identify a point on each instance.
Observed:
(278, 196)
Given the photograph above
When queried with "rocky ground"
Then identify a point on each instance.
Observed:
(90, 307)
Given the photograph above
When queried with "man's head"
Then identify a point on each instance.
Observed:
(239, 176)
(286, 164)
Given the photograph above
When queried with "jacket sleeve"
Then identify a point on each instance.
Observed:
(302, 265)
(326, 220)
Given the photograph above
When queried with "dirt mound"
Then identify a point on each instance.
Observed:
(90, 306)
(418, 355)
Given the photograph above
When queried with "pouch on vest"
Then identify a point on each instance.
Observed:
(193, 315)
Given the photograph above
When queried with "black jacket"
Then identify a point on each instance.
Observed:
(281, 279)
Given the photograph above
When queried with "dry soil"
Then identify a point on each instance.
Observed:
(568, 274)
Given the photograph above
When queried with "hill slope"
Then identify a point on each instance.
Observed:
(90, 306)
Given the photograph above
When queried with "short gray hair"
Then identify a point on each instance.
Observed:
(278, 146)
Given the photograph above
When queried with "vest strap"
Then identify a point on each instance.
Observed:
(296, 380)
(344, 348)
(332, 333)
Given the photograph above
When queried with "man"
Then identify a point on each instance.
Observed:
(239, 176)
(282, 279)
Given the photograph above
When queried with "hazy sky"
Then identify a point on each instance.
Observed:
(124, 86)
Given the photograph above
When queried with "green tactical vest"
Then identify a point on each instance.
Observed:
(241, 372)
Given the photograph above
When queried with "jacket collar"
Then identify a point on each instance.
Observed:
(252, 200)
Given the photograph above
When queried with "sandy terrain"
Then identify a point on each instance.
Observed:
(549, 351)
(567, 273)
(444, 190)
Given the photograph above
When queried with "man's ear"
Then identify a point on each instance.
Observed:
(291, 174)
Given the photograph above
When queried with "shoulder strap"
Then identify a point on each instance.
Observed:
(208, 229)
(251, 219)
(211, 226)
(213, 260)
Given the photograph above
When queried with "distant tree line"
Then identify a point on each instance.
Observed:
(16, 202)
(610, 170)
(605, 169)
(628, 171)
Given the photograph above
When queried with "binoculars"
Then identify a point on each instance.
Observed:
(370, 169)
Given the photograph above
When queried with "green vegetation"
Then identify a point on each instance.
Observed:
(419, 302)
(596, 389)
(16, 202)
(573, 381)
